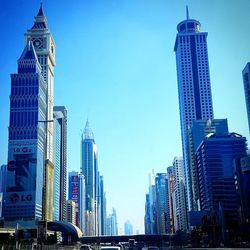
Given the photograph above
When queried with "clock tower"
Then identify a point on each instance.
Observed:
(44, 46)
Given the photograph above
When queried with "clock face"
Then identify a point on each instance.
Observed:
(37, 43)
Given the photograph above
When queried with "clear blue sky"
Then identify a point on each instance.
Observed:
(115, 64)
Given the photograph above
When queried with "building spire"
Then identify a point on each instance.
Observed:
(187, 12)
(40, 12)
(88, 134)
(40, 19)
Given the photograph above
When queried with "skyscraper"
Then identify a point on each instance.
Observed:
(170, 197)
(102, 207)
(60, 156)
(162, 204)
(246, 81)
(216, 157)
(195, 99)
(128, 228)
(179, 196)
(74, 192)
(23, 194)
(112, 227)
(196, 133)
(89, 169)
(44, 45)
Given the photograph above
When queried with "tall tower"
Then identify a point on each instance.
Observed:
(179, 196)
(246, 81)
(23, 192)
(60, 156)
(195, 99)
(44, 45)
(90, 171)
(162, 204)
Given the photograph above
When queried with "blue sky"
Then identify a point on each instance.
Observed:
(115, 64)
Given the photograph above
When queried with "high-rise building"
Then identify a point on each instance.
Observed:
(3, 175)
(60, 159)
(44, 45)
(196, 133)
(112, 227)
(150, 207)
(216, 158)
(89, 169)
(82, 204)
(77, 194)
(128, 228)
(74, 192)
(71, 212)
(170, 197)
(195, 99)
(23, 194)
(179, 196)
(246, 81)
(102, 207)
(162, 204)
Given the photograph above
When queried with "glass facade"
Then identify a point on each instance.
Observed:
(89, 169)
(24, 182)
(216, 158)
(195, 99)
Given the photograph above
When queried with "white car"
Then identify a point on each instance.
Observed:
(110, 248)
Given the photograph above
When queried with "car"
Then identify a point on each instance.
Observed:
(85, 247)
(150, 248)
(110, 248)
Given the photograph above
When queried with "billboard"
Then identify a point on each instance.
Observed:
(21, 171)
(74, 188)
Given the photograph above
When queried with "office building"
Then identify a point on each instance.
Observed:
(128, 228)
(179, 196)
(147, 216)
(103, 214)
(196, 133)
(195, 99)
(44, 45)
(60, 160)
(170, 197)
(23, 194)
(74, 192)
(89, 169)
(162, 204)
(71, 212)
(246, 81)
(112, 227)
(216, 157)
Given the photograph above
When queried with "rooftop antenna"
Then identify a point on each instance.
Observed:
(187, 12)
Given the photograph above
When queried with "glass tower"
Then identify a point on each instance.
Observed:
(216, 157)
(23, 190)
(195, 100)
(90, 172)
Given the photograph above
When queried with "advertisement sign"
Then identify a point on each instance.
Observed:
(75, 188)
(21, 171)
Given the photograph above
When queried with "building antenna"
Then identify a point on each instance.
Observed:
(187, 12)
